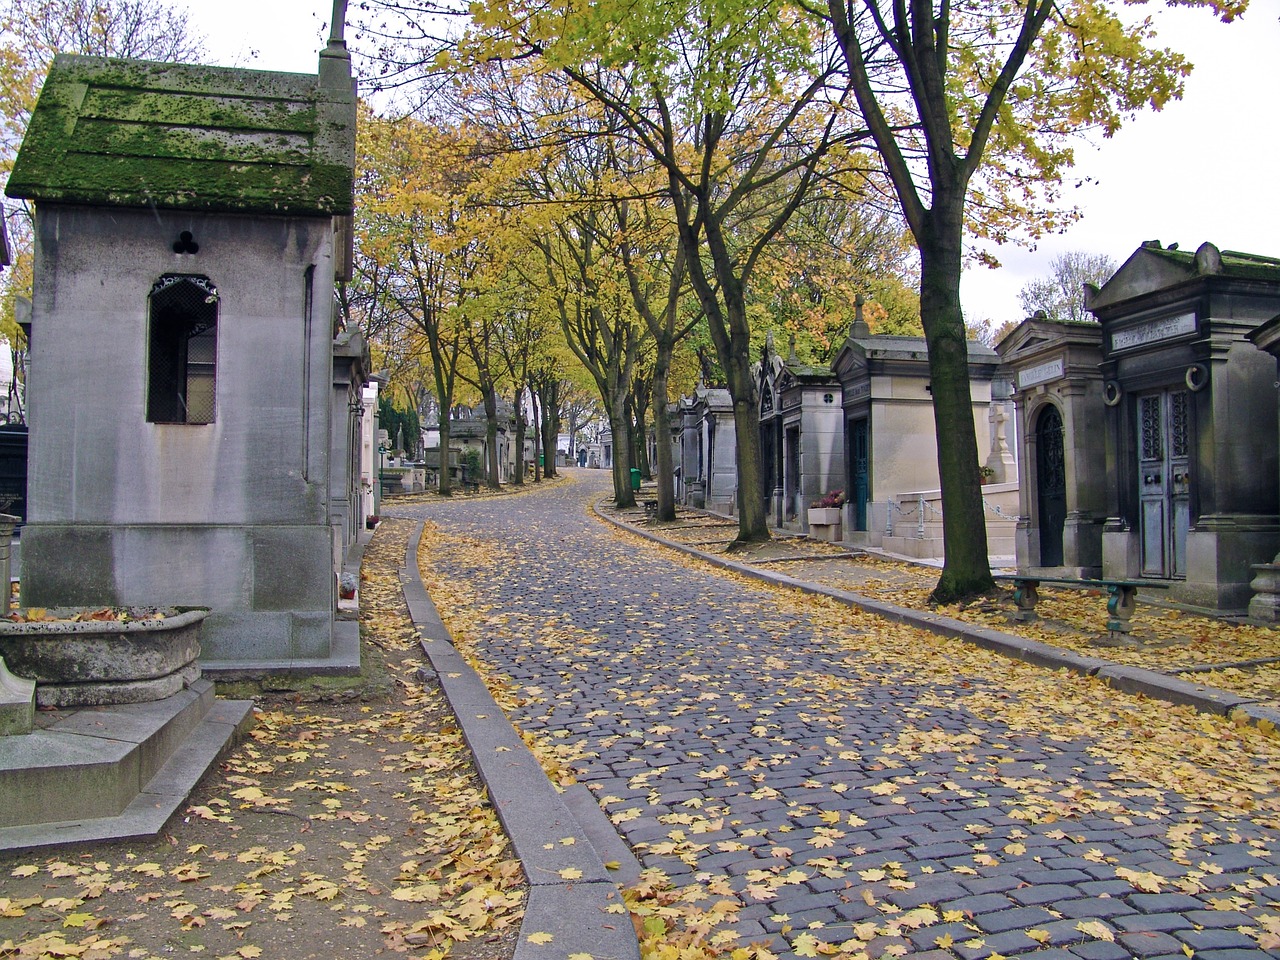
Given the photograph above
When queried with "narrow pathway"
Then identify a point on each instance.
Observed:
(858, 788)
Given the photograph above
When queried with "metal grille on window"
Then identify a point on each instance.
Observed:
(183, 355)
(1180, 440)
(1151, 428)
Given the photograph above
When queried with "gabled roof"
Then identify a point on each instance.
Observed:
(135, 133)
(1152, 268)
(1036, 334)
(892, 347)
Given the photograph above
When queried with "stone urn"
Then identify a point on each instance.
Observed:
(81, 657)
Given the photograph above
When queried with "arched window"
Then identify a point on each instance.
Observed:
(182, 354)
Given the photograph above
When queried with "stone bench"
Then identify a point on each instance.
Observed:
(1122, 595)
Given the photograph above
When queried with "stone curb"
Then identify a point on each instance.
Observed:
(548, 837)
(1150, 683)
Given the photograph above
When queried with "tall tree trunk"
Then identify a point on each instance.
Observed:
(753, 524)
(665, 474)
(623, 495)
(549, 394)
(493, 478)
(966, 567)
(444, 483)
(538, 442)
(730, 329)
(518, 477)
(639, 437)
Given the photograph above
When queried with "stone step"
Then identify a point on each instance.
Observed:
(111, 772)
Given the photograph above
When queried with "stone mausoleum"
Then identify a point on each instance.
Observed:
(801, 435)
(890, 433)
(190, 222)
(1057, 392)
(1189, 408)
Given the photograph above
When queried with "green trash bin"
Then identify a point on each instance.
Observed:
(635, 479)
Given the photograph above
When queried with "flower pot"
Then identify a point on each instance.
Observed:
(146, 654)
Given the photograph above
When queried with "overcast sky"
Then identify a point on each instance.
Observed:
(1205, 168)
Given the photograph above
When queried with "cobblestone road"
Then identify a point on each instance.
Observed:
(860, 788)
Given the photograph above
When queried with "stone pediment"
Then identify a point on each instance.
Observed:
(1153, 269)
(1031, 338)
(850, 361)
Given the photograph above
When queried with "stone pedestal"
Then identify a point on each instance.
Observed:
(17, 703)
(1265, 605)
(697, 495)
(7, 523)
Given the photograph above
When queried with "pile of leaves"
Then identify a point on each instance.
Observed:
(102, 615)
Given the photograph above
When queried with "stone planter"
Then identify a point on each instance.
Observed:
(824, 523)
(824, 516)
(96, 662)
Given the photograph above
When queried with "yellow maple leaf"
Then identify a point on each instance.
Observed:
(1142, 880)
(540, 938)
(806, 945)
(570, 873)
(1096, 929)
(249, 951)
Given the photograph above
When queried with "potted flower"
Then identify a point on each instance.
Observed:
(987, 474)
(825, 511)
(370, 522)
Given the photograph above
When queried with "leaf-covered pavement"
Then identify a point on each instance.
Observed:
(1239, 657)
(830, 784)
(350, 826)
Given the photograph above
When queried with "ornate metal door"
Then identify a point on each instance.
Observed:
(1051, 485)
(861, 457)
(1164, 481)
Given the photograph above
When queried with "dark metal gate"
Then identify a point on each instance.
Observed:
(1051, 485)
(1164, 481)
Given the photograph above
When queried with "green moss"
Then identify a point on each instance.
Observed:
(139, 134)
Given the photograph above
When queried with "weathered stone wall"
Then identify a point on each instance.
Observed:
(234, 514)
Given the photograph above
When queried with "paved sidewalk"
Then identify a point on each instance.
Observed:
(848, 785)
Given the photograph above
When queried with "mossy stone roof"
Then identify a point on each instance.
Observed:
(1235, 263)
(135, 133)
